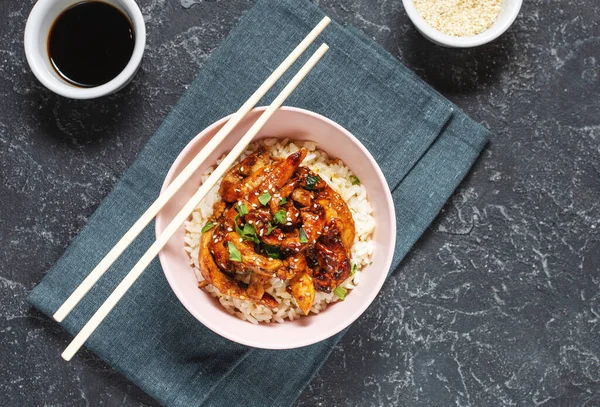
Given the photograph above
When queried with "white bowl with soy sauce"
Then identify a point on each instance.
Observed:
(85, 49)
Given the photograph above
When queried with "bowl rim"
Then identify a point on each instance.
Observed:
(332, 329)
(440, 38)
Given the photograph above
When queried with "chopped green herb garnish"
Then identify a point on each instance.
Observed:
(272, 252)
(340, 292)
(242, 209)
(240, 232)
(303, 238)
(269, 228)
(249, 230)
(234, 253)
(237, 228)
(264, 198)
(354, 179)
(353, 271)
(311, 182)
(283, 201)
(247, 233)
(208, 227)
(370, 263)
(279, 216)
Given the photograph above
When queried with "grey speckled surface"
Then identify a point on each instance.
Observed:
(498, 304)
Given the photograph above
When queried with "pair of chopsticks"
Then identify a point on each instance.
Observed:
(178, 182)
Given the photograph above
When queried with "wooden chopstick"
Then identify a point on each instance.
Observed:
(185, 212)
(184, 175)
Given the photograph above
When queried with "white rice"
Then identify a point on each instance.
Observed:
(339, 177)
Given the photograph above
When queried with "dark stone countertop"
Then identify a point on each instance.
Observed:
(498, 303)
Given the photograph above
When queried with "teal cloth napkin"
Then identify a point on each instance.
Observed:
(423, 143)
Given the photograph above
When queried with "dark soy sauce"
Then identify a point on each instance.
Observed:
(90, 43)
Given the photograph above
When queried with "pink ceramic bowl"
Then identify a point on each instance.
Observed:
(296, 124)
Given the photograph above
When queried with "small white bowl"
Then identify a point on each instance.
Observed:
(508, 14)
(296, 124)
(37, 30)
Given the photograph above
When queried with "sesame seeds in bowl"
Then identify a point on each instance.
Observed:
(459, 18)
(462, 23)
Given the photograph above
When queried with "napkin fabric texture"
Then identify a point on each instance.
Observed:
(423, 143)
